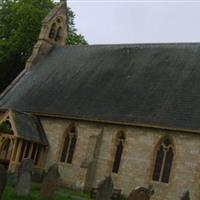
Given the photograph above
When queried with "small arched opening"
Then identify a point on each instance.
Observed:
(52, 32)
(58, 34)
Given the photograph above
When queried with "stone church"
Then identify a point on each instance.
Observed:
(131, 112)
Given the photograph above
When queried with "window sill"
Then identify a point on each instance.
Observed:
(65, 164)
(159, 183)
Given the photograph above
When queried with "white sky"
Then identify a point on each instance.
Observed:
(129, 21)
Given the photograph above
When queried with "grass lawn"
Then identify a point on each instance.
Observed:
(62, 194)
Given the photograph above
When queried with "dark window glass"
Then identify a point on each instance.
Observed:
(15, 150)
(65, 148)
(69, 146)
(27, 150)
(58, 34)
(22, 151)
(118, 156)
(52, 31)
(163, 163)
(37, 156)
(167, 165)
(158, 164)
(34, 151)
(167, 142)
(71, 149)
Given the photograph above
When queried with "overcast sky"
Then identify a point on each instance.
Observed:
(129, 21)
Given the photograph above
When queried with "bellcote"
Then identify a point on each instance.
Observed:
(54, 26)
(53, 33)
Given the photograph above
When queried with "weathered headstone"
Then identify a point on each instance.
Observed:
(23, 186)
(186, 196)
(3, 179)
(140, 194)
(116, 194)
(50, 182)
(105, 189)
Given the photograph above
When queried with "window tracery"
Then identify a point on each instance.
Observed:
(163, 161)
(69, 145)
(56, 31)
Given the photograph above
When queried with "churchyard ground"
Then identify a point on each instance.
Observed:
(61, 194)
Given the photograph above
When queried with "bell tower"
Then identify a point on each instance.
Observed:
(53, 33)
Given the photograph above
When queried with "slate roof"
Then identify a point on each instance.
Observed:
(29, 127)
(148, 84)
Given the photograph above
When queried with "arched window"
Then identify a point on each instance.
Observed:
(119, 151)
(58, 34)
(52, 32)
(69, 145)
(163, 161)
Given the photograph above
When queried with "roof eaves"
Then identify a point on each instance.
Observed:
(117, 122)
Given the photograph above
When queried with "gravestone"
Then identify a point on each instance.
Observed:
(23, 186)
(186, 196)
(140, 194)
(116, 194)
(50, 182)
(3, 179)
(105, 189)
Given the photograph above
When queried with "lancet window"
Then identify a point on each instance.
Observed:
(119, 150)
(163, 161)
(69, 145)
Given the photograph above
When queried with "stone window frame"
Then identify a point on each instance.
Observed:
(155, 154)
(56, 30)
(72, 137)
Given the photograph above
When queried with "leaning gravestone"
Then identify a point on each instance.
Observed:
(3, 179)
(50, 182)
(105, 189)
(186, 196)
(23, 186)
(140, 194)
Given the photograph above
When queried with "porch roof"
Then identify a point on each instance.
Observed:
(29, 127)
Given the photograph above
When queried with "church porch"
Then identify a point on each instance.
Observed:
(21, 136)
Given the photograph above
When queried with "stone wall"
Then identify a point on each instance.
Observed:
(137, 161)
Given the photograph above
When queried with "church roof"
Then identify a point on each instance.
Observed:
(143, 84)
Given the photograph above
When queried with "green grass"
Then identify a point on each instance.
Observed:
(62, 194)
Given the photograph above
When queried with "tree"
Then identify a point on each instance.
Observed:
(20, 22)
(73, 37)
